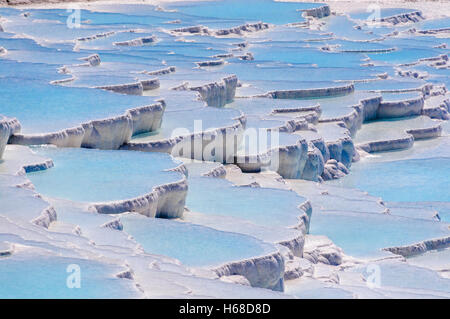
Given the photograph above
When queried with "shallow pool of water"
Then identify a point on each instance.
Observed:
(262, 206)
(409, 180)
(193, 245)
(40, 276)
(253, 10)
(97, 176)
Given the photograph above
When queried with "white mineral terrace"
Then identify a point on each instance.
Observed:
(225, 149)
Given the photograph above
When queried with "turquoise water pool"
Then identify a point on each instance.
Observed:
(193, 245)
(362, 234)
(254, 10)
(410, 180)
(97, 176)
(261, 206)
(40, 276)
(45, 108)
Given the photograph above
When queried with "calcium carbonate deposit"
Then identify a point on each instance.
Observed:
(224, 149)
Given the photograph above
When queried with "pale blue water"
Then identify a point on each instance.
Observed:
(182, 101)
(390, 85)
(331, 131)
(437, 259)
(388, 97)
(200, 168)
(258, 123)
(422, 42)
(365, 234)
(45, 108)
(409, 49)
(438, 211)
(342, 105)
(37, 72)
(381, 130)
(290, 36)
(52, 27)
(97, 176)
(405, 55)
(262, 206)
(299, 69)
(258, 87)
(409, 180)
(443, 208)
(27, 50)
(394, 279)
(355, 46)
(253, 10)
(265, 106)
(413, 179)
(435, 24)
(193, 245)
(42, 277)
(314, 289)
(343, 28)
(306, 55)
